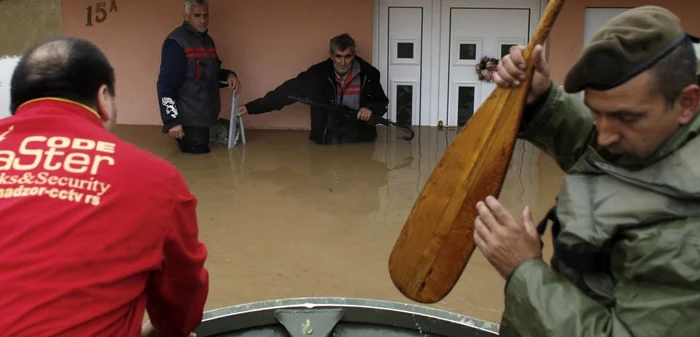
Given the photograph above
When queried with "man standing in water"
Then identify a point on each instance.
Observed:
(344, 79)
(189, 81)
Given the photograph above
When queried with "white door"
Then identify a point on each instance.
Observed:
(404, 58)
(471, 30)
(7, 67)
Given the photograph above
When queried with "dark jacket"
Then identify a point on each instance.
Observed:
(318, 83)
(189, 80)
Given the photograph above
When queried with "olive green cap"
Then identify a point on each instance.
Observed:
(626, 46)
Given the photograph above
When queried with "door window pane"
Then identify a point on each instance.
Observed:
(467, 51)
(404, 104)
(505, 49)
(404, 50)
(465, 104)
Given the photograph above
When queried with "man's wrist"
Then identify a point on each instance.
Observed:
(542, 97)
(251, 108)
(368, 108)
(520, 269)
(171, 124)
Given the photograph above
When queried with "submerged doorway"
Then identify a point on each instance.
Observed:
(427, 51)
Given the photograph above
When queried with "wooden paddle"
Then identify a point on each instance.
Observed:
(436, 241)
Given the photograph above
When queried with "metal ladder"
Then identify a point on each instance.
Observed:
(236, 129)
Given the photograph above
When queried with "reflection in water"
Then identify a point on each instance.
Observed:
(419, 158)
(341, 181)
(283, 217)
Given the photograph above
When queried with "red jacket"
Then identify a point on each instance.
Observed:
(93, 230)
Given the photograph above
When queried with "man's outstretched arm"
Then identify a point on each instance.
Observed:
(277, 99)
(560, 125)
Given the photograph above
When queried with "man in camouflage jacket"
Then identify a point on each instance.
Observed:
(626, 226)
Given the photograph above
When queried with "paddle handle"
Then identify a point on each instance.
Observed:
(545, 26)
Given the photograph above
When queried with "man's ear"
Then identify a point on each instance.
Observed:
(104, 103)
(688, 104)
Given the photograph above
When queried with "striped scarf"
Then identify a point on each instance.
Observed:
(348, 89)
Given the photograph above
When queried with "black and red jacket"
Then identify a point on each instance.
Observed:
(318, 83)
(190, 79)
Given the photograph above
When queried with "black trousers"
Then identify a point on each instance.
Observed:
(195, 141)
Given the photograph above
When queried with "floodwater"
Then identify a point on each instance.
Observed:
(283, 217)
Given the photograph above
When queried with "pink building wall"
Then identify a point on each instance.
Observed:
(269, 41)
(265, 42)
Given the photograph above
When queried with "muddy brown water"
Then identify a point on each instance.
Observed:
(282, 217)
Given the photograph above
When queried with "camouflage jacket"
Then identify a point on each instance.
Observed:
(639, 220)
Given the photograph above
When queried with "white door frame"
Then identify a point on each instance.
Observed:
(434, 73)
(382, 57)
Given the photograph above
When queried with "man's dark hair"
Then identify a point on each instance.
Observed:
(675, 72)
(343, 42)
(67, 67)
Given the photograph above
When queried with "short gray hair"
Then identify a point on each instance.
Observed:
(188, 4)
(343, 42)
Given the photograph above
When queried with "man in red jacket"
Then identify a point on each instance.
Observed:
(95, 231)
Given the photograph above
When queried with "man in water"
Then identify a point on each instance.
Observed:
(343, 79)
(189, 81)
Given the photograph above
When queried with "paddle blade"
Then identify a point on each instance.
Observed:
(436, 241)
